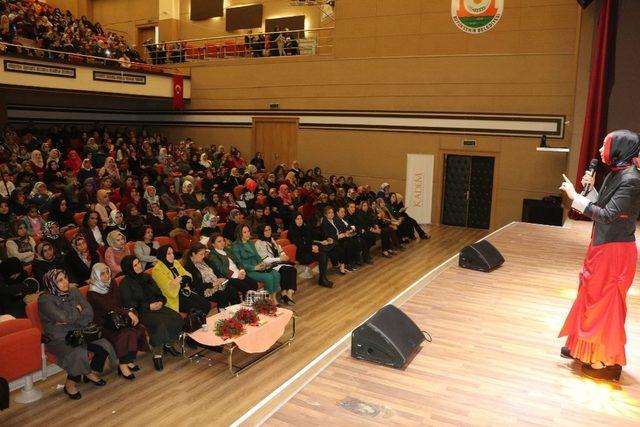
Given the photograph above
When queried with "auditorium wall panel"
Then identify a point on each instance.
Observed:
(408, 56)
(125, 15)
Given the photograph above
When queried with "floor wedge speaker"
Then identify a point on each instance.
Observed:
(389, 337)
(481, 256)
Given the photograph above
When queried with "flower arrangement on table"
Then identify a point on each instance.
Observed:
(266, 307)
(247, 316)
(229, 328)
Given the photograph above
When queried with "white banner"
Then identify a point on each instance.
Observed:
(419, 191)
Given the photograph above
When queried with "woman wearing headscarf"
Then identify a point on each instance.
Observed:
(73, 162)
(110, 169)
(80, 260)
(132, 197)
(309, 249)
(61, 214)
(87, 197)
(6, 218)
(53, 176)
(37, 163)
(150, 196)
(15, 285)
(53, 235)
(62, 310)
(204, 161)
(104, 206)
(117, 222)
(595, 328)
(184, 236)
(46, 259)
(86, 171)
(169, 275)
(139, 292)
(134, 218)
(161, 225)
(105, 299)
(22, 246)
(205, 282)
(189, 196)
(273, 255)
(41, 196)
(116, 251)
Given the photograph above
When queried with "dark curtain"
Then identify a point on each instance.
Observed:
(600, 83)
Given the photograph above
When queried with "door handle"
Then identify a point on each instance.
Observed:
(466, 195)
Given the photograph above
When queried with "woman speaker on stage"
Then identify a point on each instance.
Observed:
(595, 325)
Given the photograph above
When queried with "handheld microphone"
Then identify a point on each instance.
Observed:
(593, 165)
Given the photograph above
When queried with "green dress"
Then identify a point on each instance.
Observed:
(248, 257)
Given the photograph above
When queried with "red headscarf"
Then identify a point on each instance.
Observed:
(73, 162)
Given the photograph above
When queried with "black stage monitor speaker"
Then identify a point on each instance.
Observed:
(585, 3)
(481, 256)
(389, 337)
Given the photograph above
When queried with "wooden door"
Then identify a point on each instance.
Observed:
(277, 139)
(144, 34)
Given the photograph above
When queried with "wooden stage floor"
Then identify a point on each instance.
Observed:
(494, 359)
(204, 393)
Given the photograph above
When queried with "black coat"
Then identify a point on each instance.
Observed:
(78, 271)
(617, 208)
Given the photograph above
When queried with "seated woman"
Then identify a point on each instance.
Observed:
(209, 221)
(41, 197)
(387, 222)
(398, 210)
(169, 274)
(22, 246)
(146, 249)
(223, 265)
(63, 309)
(369, 221)
(161, 225)
(87, 171)
(272, 254)
(117, 222)
(184, 235)
(139, 292)
(171, 200)
(104, 297)
(133, 218)
(92, 230)
(80, 260)
(6, 218)
(309, 249)
(245, 252)
(61, 214)
(46, 259)
(353, 246)
(205, 281)
(132, 197)
(150, 196)
(189, 196)
(15, 285)
(331, 231)
(104, 206)
(53, 176)
(116, 251)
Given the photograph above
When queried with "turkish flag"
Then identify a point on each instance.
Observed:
(178, 91)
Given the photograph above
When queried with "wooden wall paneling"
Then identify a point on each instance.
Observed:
(276, 138)
(243, 17)
(205, 9)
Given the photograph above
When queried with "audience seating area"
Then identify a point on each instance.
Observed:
(56, 181)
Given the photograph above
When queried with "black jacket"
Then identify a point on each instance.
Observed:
(617, 208)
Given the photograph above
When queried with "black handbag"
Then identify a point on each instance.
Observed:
(115, 321)
(78, 337)
(194, 320)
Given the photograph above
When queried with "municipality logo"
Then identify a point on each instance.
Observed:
(476, 16)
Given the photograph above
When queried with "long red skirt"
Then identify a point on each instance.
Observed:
(595, 324)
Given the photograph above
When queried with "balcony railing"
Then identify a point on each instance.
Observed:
(316, 41)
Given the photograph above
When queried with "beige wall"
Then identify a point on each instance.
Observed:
(408, 55)
(125, 16)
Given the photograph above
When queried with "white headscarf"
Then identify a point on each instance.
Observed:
(95, 284)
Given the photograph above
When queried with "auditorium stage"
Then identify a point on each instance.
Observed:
(494, 359)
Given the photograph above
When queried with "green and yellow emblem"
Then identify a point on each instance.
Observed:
(476, 16)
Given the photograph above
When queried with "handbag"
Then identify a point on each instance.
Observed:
(115, 321)
(194, 320)
(78, 337)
